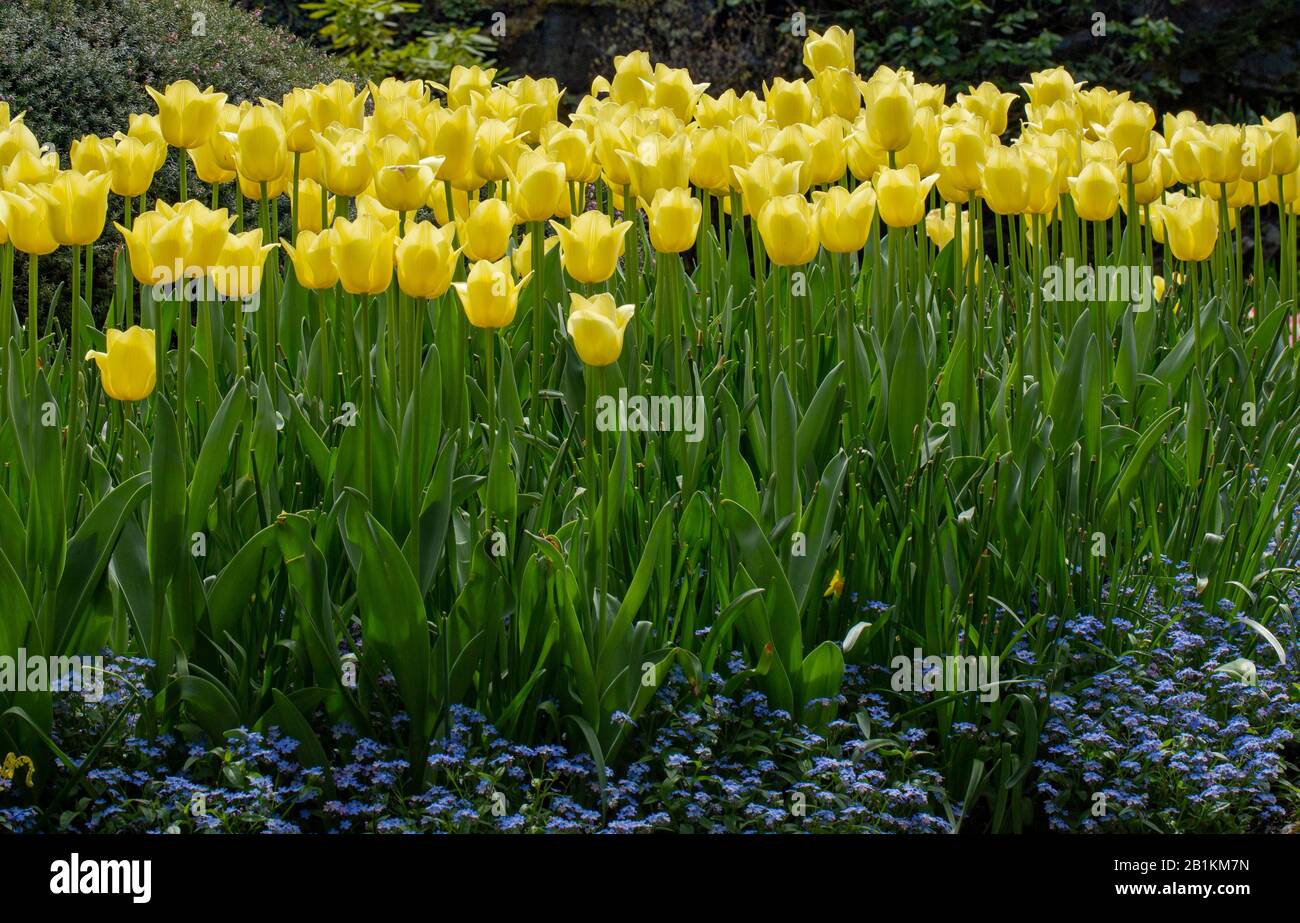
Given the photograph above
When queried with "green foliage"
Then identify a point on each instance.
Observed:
(368, 34)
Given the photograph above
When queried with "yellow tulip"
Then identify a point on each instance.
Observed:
(207, 167)
(844, 218)
(763, 179)
(631, 74)
(962, 148)
(1043, 185)
(941, 228)
(299, 121)
(1256, 154)
(826, 144)
(922, 148)
(344, 162)
(147, 128)
(497, 148)
(78, 205)
(1223, 149)
(370, 207)
(671, 88)
(485, 233)
(900, 195)
(426, 260)
(26, 216)
(309, 206)
(187, 116)
(659, 163)
(337, 103)
(237, 272)
(711, 161)
(1191, 227)
(313, 263)
(127, 370)
(438, 204)
(612, 143)
(791, 145)
(839, 91)
(864, 156)
(1050, 86)
(788, 230)
(930, 96)
(261, 154)
(489, 294)
(465, 81)
(362, 251)
(571, 147)
(891, 111)
(521, 258)
(92, 154)
(1095, 191)
(788, 101)
(536, 187)
(596, 327)
(134, 165)
(832, 48)
(206, 231)
(674, 220)
(590, 246)
(1098, 105)
(156, 247)
(1189, 151)
(1129, 129)
(31, 169)
(1286, 145)
(989, 103)
(1005, 180)
(406, 187)
(16, 137)
(454, 143)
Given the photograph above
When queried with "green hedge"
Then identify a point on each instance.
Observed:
(80, 66)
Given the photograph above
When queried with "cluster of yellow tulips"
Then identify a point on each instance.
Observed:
(360, 168)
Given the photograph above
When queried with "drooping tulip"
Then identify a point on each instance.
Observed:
(128, 368)
(596, 326)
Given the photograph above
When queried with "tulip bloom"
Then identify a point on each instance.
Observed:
(485, 234)
(92, 154)
(900, 195)
(536, 186)
(362, 251)
(1191, 227)
(521, 258)
(26, 216)
(134, 164)
(31, 168)
(941, 228)
(1129, 129)
(490, 295)
(1286, 144)
(206, 231)
(844, 218)
(591, 245)
(128, 370)
(596, 327)
(78, 206)
(313, 262)
(989, 103)
(187, 116)
(426, 260)
(1095, 191)
(344, 162)
(789, 102)
(309, 206)
(1005, 180)
(405, 187)
(674, 220)
(260, 147)
(788, 230)
(962, 150)
(659, 163)
(891, 111)
(832, 48)
(765, 178)
(237, 272)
